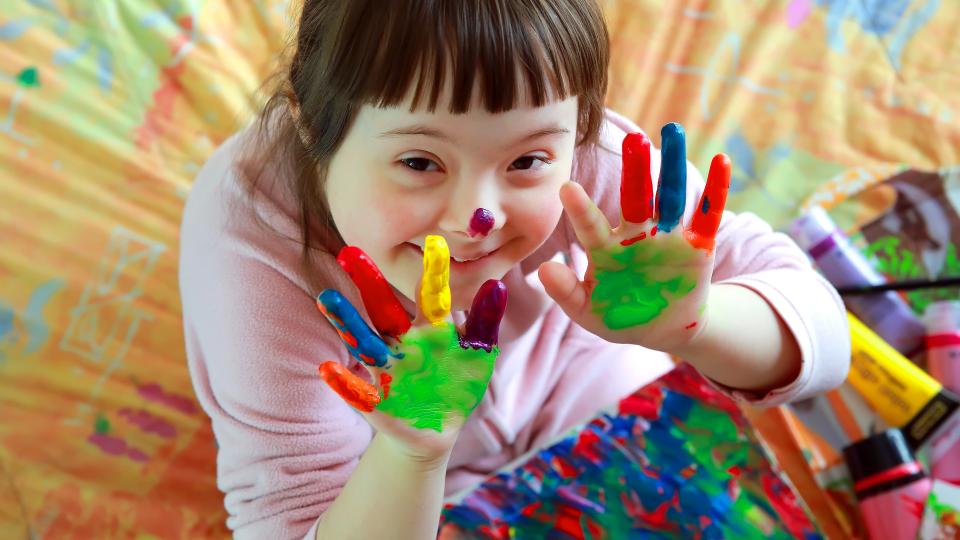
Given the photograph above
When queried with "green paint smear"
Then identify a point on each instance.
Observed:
(890, 258)
(29, 77)
(437, 379)
(101, 425)
(637, 282)
(942, 510)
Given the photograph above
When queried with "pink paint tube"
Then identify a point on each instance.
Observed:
(890, 485)
(844, 266)
(942, 320)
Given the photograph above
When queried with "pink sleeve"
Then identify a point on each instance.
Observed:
(748, 254)
(286, 443)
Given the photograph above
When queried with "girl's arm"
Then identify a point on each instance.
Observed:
(776, 331)
(389, 495)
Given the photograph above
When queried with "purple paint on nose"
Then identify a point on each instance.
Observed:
(481, 222)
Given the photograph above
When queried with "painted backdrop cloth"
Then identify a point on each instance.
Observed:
(108, 109)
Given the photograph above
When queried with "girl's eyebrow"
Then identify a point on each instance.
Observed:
(427, 131)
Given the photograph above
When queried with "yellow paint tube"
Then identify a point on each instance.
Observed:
(902, 394)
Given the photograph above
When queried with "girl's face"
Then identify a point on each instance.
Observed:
(399, 176)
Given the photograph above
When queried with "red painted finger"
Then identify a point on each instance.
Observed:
(388, 316)
(636, 182)
(355, 391)
(706, 220)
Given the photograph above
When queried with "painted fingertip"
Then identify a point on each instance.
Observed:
(386, 312)
(636, 183)
(359, 339)
(483, 321)
(672, 191)
(435, 285)
(357, 392)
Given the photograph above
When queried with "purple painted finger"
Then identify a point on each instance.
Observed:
(483, 322)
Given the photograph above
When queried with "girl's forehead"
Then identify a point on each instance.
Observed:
(401, 119)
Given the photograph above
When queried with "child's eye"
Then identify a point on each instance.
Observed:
(421, 164)
(528, 163)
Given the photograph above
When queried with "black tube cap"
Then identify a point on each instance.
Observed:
(877, 453)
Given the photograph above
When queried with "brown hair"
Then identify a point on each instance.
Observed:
(348, 53)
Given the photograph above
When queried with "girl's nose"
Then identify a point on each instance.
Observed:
(473, 212)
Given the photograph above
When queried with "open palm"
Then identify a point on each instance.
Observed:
(648, 279)
(428, 377)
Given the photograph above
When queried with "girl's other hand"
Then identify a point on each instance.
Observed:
(428, 376)
(648, 280)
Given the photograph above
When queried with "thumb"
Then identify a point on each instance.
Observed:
(566, 289)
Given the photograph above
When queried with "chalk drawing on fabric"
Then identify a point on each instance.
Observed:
(105, 320)
(721, 72)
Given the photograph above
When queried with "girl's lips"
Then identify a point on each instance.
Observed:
(462, 265)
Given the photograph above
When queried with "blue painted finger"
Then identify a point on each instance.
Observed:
(360, 340)
(672, 185)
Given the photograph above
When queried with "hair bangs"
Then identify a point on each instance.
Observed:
(513, 52)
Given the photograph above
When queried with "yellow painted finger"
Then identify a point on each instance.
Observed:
(435, 284)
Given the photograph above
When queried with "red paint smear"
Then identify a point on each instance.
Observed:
(568, 521)
(586, 446)
(653, 232)
(691, 325)
(785, 505)
(357, 392)
(647, 406)
(160, 117)
(633, 240)
(385, 380)
(564, 468)
(347, 337)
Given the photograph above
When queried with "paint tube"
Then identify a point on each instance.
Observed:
(942, 320)
(844, 266)
(906, 397)
(890, 485)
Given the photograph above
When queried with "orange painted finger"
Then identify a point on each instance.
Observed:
(706, 219)
(357, 392)
(636, 182)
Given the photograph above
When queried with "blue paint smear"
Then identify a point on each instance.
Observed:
(882, 18)
(38, 331)
(14, 29)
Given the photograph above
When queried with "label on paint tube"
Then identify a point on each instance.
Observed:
(901, 393)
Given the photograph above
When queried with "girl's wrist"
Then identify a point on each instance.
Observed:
(422, 460)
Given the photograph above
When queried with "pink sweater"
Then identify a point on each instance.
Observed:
(287, 443)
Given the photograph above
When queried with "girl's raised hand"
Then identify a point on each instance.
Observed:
(428, 376)
(648, 280)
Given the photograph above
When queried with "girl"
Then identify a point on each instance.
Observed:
(438, 138)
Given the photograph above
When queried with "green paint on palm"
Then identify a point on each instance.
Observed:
(437, 378)
(635, 284)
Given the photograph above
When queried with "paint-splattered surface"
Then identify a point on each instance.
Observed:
(108, 109)
(676, 460)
